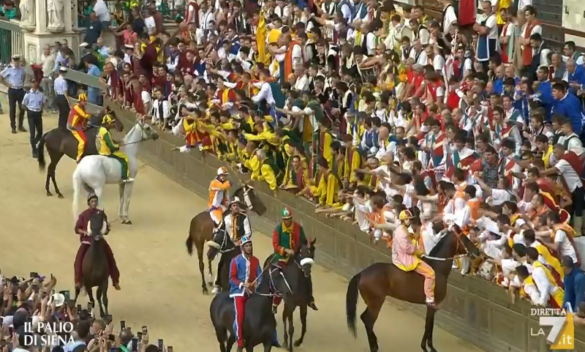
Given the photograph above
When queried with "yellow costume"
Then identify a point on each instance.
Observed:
(556, 294)
(77, 123)
(107, 147)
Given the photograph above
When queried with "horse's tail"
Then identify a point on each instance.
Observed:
(189, 244)
(41, 153)
(77, 185)
(351, 299)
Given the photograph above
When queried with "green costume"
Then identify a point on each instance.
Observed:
(283, 237)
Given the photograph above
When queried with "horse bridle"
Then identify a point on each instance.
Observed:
(275, 293)
(459, 242)
(246, 190)
(142, 139)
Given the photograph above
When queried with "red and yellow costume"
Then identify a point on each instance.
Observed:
(77, 123)
(219, 195)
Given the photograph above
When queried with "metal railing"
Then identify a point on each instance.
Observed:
(11, 40)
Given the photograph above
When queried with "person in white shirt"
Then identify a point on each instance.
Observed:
(101, 11)
(570, 139)
(48, 62)
(149, 22)
(487, 29)
(559, 234)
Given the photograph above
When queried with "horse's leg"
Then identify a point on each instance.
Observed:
(127, 197)
(210, 276)
(230, 342)
(221, 335)
(52, 172)
(199, 247)
(291, 328)
(427, 339)
(105, 297)
(90, 296)
(77, 291)
(121, 207)
(369, 317)
(267, 346)
(303, 313)
(99, 294)
(284, 327)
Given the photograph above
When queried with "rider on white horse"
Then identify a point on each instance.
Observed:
(107, 147)
(219, 196)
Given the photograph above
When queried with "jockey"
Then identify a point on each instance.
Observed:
(77, 123)
(236, 226)
(245, 275)
(107, 147)
(81, 230)
(286, 239)
(219, 196)
(406, 256)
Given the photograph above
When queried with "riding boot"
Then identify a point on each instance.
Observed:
(310, 294)
(78, 264)
(114, 272)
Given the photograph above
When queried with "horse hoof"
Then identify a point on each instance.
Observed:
(49, 194)
(128, 222)
(205, 291)
(60, 196)
(298, 343)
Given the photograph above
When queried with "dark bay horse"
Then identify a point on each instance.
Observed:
(201, 229)
(61, 142)
(297, 273)
(259, 322)
(228, 251)
(95, 272)
(379, 280)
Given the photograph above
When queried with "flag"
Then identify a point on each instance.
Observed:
(261, 38)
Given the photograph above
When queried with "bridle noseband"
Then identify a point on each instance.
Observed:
(457, 256)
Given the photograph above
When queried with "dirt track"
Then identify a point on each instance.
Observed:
(160, 282)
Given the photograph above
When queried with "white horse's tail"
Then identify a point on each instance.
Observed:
(77, 185)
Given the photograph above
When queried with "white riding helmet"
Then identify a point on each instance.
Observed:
(222, 171)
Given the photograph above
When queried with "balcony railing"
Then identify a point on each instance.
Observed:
(11, 40)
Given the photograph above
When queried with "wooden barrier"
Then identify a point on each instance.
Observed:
(475, 310)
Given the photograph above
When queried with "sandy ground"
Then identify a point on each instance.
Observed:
(160, 282)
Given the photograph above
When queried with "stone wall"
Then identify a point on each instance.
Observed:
(475, 310)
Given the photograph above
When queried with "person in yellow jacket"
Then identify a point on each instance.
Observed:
(77, 124)
(540, 285)
(546, 256)
(107, 147)
(264, 170)
(352, 160)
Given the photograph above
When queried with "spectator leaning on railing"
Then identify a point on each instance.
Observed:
(31, 300)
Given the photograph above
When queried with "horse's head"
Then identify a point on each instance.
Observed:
(142, 132)
(251, 199)
(219, 243)
(278, 284)
(454, 243)
(306, 257)
(118, 125)
(97, 226)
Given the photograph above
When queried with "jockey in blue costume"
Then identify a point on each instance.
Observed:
(245, 276)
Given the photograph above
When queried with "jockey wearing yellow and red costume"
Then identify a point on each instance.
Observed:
(77, 123)
(219, 195)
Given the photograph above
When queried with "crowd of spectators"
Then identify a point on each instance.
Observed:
(32, 312)
(368, 108)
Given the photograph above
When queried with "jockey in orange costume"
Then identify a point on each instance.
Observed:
(219, 196)
(77, 123)
(406, 256)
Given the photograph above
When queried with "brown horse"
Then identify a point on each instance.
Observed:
(201, 229)
(379, 280)
(61, 142)
(95, 272)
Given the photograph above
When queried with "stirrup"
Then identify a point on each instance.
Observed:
(128, 180)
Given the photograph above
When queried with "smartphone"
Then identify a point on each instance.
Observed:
(145, 330)
(160, 344)
(169, 348)
(134, 344)
(33, 274)
(78, 309)
(139, 334)
(112, 337)
(123, 324)
(89, 306)
(108, 318)
(66, 294)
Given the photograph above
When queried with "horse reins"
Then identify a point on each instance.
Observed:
(459, 241)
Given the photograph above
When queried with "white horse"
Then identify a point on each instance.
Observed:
(95, 171)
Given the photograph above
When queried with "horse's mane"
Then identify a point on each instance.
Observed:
(440, 244)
